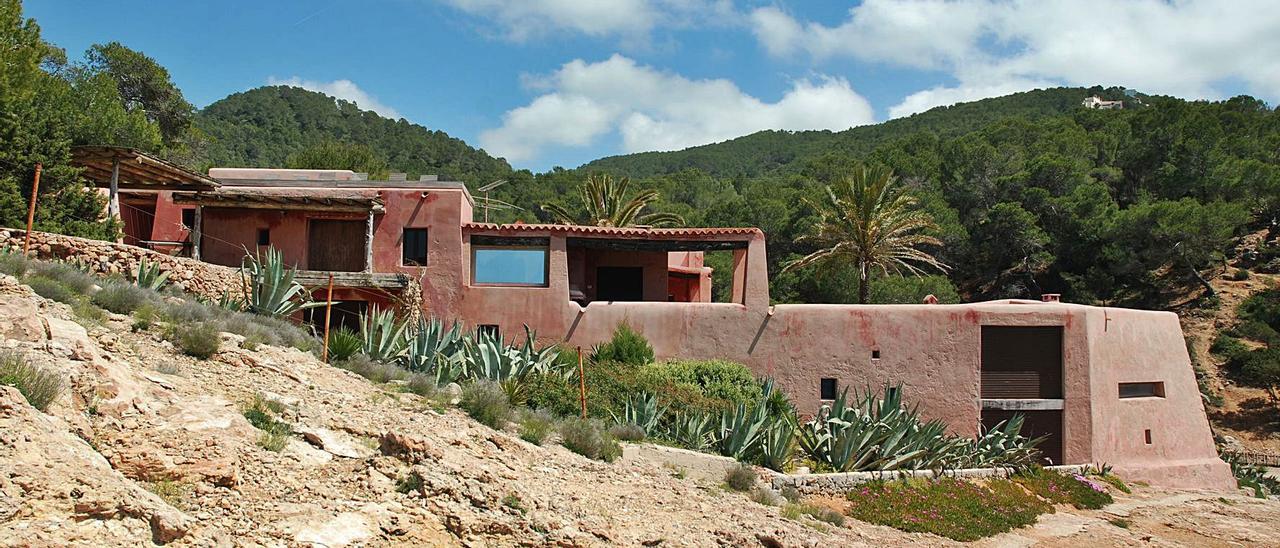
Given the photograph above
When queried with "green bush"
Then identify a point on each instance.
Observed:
(536, 426)
(1228, 347)
(487, 403)
(1255, 330)
(52, 289)
(627, 432)
(1261, 368)
(740, 478)
(13, 263)
(262, 415)
(145, 317)
(75, 279)
(1263, 306)
(1060, 488)
(724, 380)
(1240, 275)
(121, 298)
(609, 385)
(947, 507)
(375, 371)
(588, 438)
(626, 347)
(422, 385)
(39, 386)
(199, 340)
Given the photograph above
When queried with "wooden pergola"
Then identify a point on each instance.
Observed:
(124, 168)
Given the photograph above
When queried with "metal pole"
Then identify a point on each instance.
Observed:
(31, 210)
(328, 308)
(582, 384)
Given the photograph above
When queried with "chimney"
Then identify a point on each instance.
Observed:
(1051, 297)
(397, 177)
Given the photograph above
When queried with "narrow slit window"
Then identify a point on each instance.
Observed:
(1147, 436)
(414, 247)
(1141, 390)
(827, 389)
(264, 236)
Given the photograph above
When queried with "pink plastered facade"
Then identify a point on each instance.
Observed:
(934, 351)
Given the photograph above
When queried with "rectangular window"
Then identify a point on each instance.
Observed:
(1141, 390)
(189, 218)
(509, 261)
(414, 247)
(264, 236)
(827, 391)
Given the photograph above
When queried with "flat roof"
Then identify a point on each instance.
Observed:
(326, 199)
(138, 170)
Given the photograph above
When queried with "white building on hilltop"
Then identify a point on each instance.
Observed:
(1097, 102)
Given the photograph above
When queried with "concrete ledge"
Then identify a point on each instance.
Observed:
(699, 466)
(840, 483)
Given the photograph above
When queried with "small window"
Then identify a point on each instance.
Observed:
(1141, 390)
(264, 236)
(189, 218)
(1147, 435)
(875, 354)
(509, 261)
(827, 390)
(489, 329)
(414, 247)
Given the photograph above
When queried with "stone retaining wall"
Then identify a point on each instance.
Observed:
(102, 257)
(841, 483)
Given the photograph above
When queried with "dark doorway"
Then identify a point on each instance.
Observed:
(336, 245)
(344, 314)
(619, 283)
(1021, 362)
(1034, 425)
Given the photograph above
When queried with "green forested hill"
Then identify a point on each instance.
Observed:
(767, 151)
(265, 127)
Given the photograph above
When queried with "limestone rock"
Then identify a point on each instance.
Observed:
(336, 443)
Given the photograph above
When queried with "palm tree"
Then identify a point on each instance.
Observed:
(869, 219)
(606, 202)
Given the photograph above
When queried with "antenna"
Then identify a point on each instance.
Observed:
(498, 204)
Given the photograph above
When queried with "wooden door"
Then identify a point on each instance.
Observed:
(336, 245)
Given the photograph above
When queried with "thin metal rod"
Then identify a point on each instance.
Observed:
(31, 210)
(328, 309)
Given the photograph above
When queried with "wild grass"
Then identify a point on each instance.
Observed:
(262, 414)
(589, 439)
(39, 386)
(122, 298)
(740, 478)
(794, 511)
(198, 340)
(536, 426)
(487, 403)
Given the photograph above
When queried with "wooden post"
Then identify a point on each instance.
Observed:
(31, 210)
(582, 384)
(197, 232)
(328, 308)
(368, 244)
(113, 200)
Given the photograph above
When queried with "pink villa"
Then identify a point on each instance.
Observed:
(1106, 385)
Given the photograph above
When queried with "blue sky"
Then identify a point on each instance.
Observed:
(562, 82)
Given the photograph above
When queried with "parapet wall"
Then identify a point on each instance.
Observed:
(102, 257)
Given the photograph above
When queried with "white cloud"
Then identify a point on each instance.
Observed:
(655, 110)
(342, 89)
(1188, 48)
(630, 19)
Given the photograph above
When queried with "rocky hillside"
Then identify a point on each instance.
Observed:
(145, 445)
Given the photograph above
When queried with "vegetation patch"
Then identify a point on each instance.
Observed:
(1059, 488)
(626, 346)
(589, 439)
(536, 426)
(198, 340)
(122, 298)
(794, 511)
(947, 507)
(487, 403)
(740, 478)
(262, 414)
(39, 386)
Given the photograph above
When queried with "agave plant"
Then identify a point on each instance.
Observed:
(741, 429)
(1004, 445)
(227, 302)
(150, 277)
(437, 351)
(777, 443)
(490, 359)
(270, 289)
(344, 343)
(877, 433)
(641, 410)
(693, 430)
(382, 335)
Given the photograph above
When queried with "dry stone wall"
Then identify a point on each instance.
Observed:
(102, 257)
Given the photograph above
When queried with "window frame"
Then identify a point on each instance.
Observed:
(426, 246)
(497, 243)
